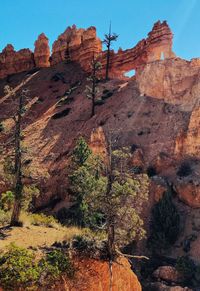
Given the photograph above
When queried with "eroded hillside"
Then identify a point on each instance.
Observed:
(156, 113)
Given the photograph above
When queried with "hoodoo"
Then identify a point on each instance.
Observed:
(79, 45)
(42, 51)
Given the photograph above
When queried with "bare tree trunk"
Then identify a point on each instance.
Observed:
(93, 106)
(18, 167)
(110, 222)
(111, 240)
(16, 213)
(108, 62)
(93, 99)
(93, 88)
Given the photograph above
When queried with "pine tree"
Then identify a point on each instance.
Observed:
(78, 180)
(110, 198)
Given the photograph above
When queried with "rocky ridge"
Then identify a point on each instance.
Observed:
(79, 45)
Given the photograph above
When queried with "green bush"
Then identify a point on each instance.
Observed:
(165, 223)
(7, 200)
(43, 220)
(91, 244)
(17, 267)
(5, 217)
(56, 263)
(81, 152)
(83, 243)
(186, 267)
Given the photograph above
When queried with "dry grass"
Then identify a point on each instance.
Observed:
(36, 236)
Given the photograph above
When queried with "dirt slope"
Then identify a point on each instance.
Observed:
(140, 120)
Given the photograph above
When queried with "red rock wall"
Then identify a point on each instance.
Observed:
(80, 45)
(174, 80)
(95, 275)
(158, 43)
(12, 62)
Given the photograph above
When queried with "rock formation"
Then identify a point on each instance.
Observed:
(191, 143)
(189, 192)
(174, 80)
(12, 62)
(162, 287)
(42, 51)
(158, 44)
(98, 143)
(95, 275)
(77, 45)
(168, 274)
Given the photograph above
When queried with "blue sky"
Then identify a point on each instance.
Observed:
(22, 20)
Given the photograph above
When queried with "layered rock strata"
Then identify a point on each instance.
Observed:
(156, 46)
(12, 62)
(174, 80)
(77, 45)
(80, 45)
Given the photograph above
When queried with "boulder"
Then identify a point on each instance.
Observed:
(162, 287)
(168, 274)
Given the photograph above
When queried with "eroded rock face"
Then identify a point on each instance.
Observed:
(189, 192)
(42, 51)
(98, 143)
(191, 142)
(77, 45)
(174, 80)
(157, 189)
(95, 275)
(12, 62)
(137, 159)
(168, 273)
(158, 44)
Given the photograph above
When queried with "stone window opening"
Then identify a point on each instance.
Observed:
(162, 56)
(130, 74)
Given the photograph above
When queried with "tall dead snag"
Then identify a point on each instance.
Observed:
(92, 90)
(18, 184)
(109, 38)
(18, 161)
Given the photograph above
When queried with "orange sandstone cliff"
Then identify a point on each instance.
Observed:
(94, 275)
(79, 45)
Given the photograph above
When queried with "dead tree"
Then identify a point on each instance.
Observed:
(93, 90)
(17, 170)
(109, 38)
(18, 161)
